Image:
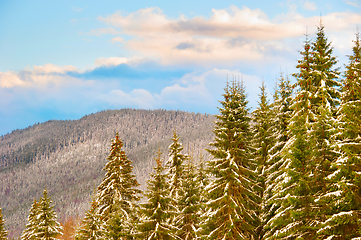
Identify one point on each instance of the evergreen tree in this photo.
(324, 75)
(33, 222)
(3, 232)
(48, 227)
(345, 223)
(157, 212)
(263, 141)
(275, 170)
(188, 217)
(91, 228)
(232, 199)
(202, 179)
(175, 166)
(322, 131)
(117, 192)
(119, 227)
(314, 108)
(294, 219)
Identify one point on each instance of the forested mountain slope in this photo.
(67, 157)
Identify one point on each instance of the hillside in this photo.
(67, 157)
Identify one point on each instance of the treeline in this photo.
(288, 170)
(41, 140)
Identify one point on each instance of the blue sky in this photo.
(65, 59)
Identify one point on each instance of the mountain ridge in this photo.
(67, 157)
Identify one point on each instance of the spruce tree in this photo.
(322, 131)
(232, 199)
(91, 228)
(48, 227)
(33, 222)
(275, 170)
(263, 141)
(188, 217)
(345, 222)
(294, 219)
(292, 194)
(156, 214)
(314, 108)
(119, 227)
(117, 192)
(203, 181)
(3, 232)
(175, 166)
(324, 74)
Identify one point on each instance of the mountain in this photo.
(67, 157)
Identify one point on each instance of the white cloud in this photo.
(118, 39)
(204, 90)
(228, 37)
(39, 77)
(308, 5)
(354, 3)
(10, 80)
(109, 62)
(231, 22)
(51, 68)
(139, 98)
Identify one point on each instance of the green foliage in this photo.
(324, 76)
(346, 195)
(276, 163)
(263, 141)
(31, 227)
(117, 194)
(119, 227)
(91, 228)
(188, 216)
(202, 179)
(295, 217)
(232, 200)
(43, 224)
(3, 232)
(304, 189)
(48, 227)
(175, 166)
(156, 214)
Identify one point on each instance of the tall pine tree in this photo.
(91, 228)
(157, 213)
(263, 141)
(232, 199)
(188, 216)
(345, 222)
(117, 194)
(294, 219)
(48, 228)
(324, 74)
(275, 170)
(310, 150)
(324, 102)
(33, 222)
(175, 166)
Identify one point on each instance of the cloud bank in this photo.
(54, 92)
(171, 63)
(226, 37)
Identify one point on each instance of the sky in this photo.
(61, 60)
